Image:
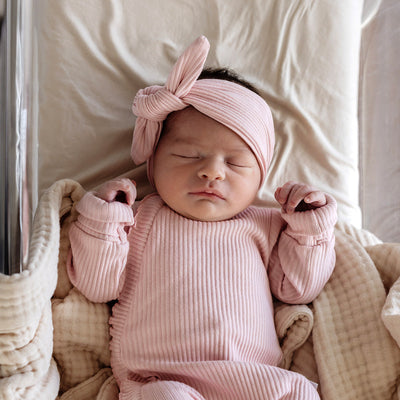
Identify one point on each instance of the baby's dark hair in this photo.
(226, 74)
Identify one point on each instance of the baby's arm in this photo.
(99, 244)
(304, 257)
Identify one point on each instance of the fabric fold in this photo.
(26, 328)
(152, 104)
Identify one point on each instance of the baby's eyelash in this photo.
(237, 165)
(185, 156)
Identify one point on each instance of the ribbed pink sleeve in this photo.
(303, 258)
(99, 248)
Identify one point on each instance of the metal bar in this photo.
(15, 145)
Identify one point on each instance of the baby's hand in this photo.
(119, 189)
(294, 196)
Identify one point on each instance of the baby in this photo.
(195, 266)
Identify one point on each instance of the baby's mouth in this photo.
(208, 193)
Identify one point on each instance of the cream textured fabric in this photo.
(293, 325)
(27, 370)
(83, 352)
(348, 333)
(387, 257)
(355, 354)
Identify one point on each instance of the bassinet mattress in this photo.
(303, 56)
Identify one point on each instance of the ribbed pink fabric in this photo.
(238, 108)
(194, 317)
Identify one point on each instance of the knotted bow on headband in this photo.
(231, 104)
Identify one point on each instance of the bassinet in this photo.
(308, 59)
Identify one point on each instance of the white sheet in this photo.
(304, 57)
(380, 123)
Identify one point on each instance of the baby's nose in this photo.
(212, 169)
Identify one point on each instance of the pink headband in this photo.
(233, 105)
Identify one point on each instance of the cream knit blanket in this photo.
(353, 351)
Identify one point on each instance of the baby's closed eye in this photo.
(187, 155)
(240, 162)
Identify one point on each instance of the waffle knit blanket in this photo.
(54, 342)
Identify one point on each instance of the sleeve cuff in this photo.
(316, 222)
(99, 210)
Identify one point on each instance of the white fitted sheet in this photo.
(303, 56)
(380, 123)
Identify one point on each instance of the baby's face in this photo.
(202, 169)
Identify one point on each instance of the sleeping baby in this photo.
(194, 266)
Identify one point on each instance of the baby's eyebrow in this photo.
(189, 141)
